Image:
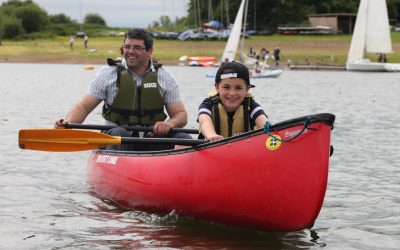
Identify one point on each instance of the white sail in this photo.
(378, 35)
(233, 42)
(371, 31)
(234, 37)
(357, 46)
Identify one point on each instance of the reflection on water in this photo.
(134, 229)
(45, 203)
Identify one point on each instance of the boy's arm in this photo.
(207, 128)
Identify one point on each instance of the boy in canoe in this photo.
(230, 110)
(135, 91)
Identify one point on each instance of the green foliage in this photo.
(63, 29)
(22, 17)
(94, 18)
(393, 9)
(165, 24)
(60, 19)
(25, 19)
(269, 14)
(181, 24)
(33, 17)
(11, 27)
(16, 3)
(6, 10)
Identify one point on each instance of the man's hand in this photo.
(162, 128)
(60, 123)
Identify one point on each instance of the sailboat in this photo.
(371, 35)
(232, 45)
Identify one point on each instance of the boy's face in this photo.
(232, 92)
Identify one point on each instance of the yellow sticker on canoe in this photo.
(272, 143)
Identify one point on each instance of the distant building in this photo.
(300, 30)
(340, 23)
(332, 23)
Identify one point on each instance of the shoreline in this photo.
(295, 50)
(80, 61)
(168, 52)
(63, 60)
(75, 61)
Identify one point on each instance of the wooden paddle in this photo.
(130, 128)
(67, 140)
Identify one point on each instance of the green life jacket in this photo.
(229, 126)
(135, 105)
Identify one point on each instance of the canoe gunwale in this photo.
(326, 118)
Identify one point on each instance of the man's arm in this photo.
(79, 112)
(178, 119)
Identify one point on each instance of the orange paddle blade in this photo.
(64, 140)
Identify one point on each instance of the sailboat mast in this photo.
(228, 21)
(367, 6)
(246, 5)
(210, 11)
(80, 14)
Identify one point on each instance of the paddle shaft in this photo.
(130, 128)
(186, 142)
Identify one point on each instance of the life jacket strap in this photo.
(135, 112)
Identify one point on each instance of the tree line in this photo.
(269, 14)
(26, 19)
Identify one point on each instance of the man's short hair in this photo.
(140, 34)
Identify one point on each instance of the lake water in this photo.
(46, 204)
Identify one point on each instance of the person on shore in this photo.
(251, 53)
(135, 91)
(85, 41)
(277, 55)
(257, 67)
(71, 42)
(225, 61)
(231, 110)
(262, 54)
(266, 57)
(382, 58)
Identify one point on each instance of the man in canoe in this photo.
(230, 110)
(135, 91)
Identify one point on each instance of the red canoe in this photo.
(251, 180)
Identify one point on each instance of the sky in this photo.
(117, 13)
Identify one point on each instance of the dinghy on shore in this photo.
(263, 74)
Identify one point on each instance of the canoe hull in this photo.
(242, 182)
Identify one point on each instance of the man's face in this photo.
(135, 53)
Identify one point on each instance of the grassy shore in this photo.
(317, 49)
